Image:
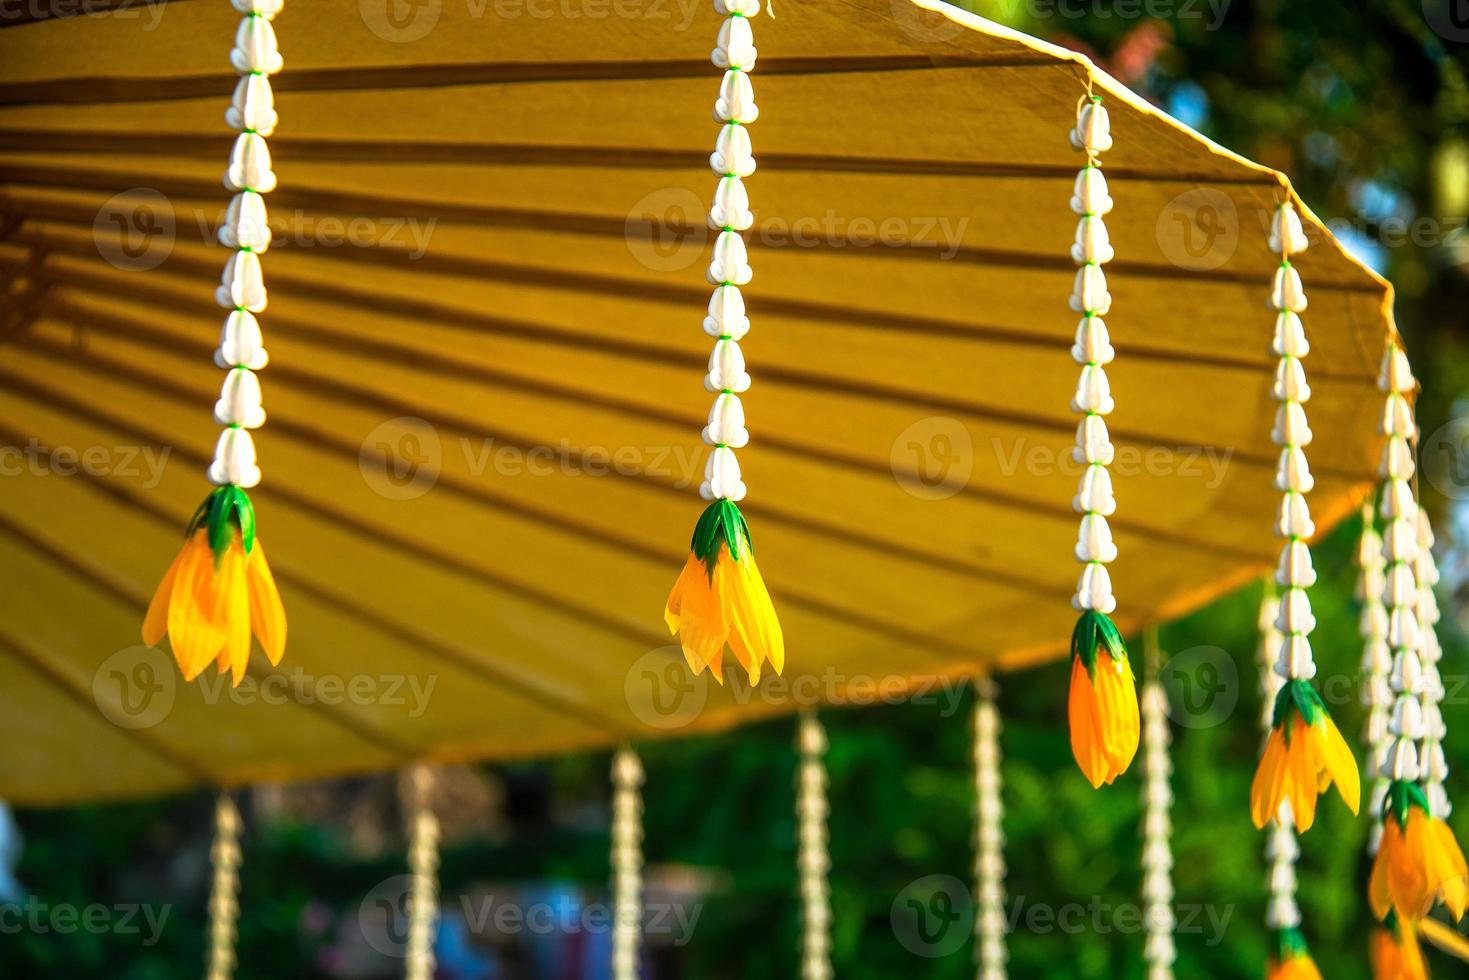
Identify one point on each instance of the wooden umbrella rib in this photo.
(351, 204)
(442, 366)
(417, 309)
(300, 148)
(354, 394)
(519, 686)
(114, 89)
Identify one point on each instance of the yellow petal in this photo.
(753, 618)
(1081, 712)
(195, 635)
(1452, 879)
(1304, 767)
(155, 624)
(267, 614)
(1268, 789)
(235, 595)
(1341, 764)
(1378, 894)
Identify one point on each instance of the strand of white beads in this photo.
(1281, 847)
(423, 875)
(1160, 919)
(813, 857)
(732, 161)
(1376, 663)
(1093, 351)
(1291, 433)
(989, 850)
(627, 863)
(242, 288)
(1431, 759)
(224, 889)
(1400, 758)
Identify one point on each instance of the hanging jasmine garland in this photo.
(720, 598)
(1304, 753)
(1418, 860)
(220, 589)
(1103, 709)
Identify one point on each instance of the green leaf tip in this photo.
(1301, 696)
(225, 510)
(1290, 943)
(721, 522)
(1094, 631)
(1402, 795)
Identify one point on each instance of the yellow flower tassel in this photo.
(1304, 756)
(1103, 702)
(1292, 959)
(1395, 952)
(1418, 861)
(721, 599)
(217, 591)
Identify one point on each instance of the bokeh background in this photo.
(1367, 107)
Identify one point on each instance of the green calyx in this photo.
(1300, 696)
(1401, 795)
(721, 522)
(1094, 631)
(1289, 943)
(226, 510)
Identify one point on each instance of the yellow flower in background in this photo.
(217, 591)
(1418, 861)
(1395, 952)
(1102, 707)
(721, 599)
(1292, 959)
(1304, 756)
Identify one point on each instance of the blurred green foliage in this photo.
(1367, 107)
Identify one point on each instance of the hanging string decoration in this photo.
(627, 864)
(813, 857)
(219, 588)
(1377, 693)
(1304, 753)
(224, 889)
(989, 851)
(1418, 860)
(1102, 706)
(1394, 945)
(423, 876)
(720, 598)
(1289, 955)
(1159, 951)
(1434, 764)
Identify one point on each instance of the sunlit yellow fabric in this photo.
(507, 302)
